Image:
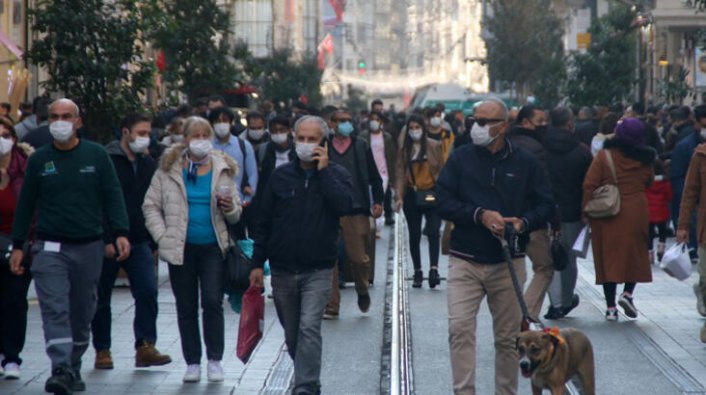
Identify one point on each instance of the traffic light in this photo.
(361, 66)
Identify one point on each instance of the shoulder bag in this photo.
(236, 273)
(605, 200)
(424, 198)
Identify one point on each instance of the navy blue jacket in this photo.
(298, 218)
(511, 182)
(681, 156)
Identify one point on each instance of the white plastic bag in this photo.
(582, 242)
(676, 262)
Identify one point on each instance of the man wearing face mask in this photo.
(354, 154)
(256, 133)
(277, 152)
(528, 134)
(483, 187)
(297, 231)
(135, 169)
(440, 131)
(384, 150)
(72, 186)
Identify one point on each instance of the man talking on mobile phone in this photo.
(297, 230)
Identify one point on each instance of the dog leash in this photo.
(528, 323)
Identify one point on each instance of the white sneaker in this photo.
(12, 371)
(215, 371)
(193, 374)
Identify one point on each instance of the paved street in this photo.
(659, 353)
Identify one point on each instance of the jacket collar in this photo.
(503, 154)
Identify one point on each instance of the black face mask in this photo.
(541, 129)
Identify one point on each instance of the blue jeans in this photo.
(143, 286)
(202, 268)
(300, 300)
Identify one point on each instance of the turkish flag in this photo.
(161, 61)
(338, 7)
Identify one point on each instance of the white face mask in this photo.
(374, 126)
(415, 134)
(305, 151)
(6, 145)
(200, 148)
(481, 135)
(435, 122)
(256, 134)
(279, 138)
(177, 138)
(222, 129)
(61, 130)
(139, 145)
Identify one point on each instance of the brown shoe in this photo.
(103, 360)
(147, 355)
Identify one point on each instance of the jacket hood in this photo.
(173, 154)
(560, 140)
(641, 153)
(114, 148)
(701, 149)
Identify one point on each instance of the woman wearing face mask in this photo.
(438, 131)
(175, 132)
(419, 162)
(190, 202)
(13, 288)
(384, 152)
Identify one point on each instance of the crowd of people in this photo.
(312, 188)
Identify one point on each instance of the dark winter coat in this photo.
(619, 242)
(530, 141)
(568, 161)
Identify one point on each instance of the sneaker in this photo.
(147, 355)
(12, 371)
(611, 314)
(79, 384)
(418, 279)
(554, 313)
(574, 303)
(215, 371)
(434, 278)
(103, 360)
(330, 315)
(699, 300)
(193, 374)
(703, 334)
(61, 382)
(364, 302)
(628, 306)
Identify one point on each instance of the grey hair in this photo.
(495, 100)
(312, 118)
(67, 101)
(194, 122)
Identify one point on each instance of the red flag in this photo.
(338, 7)
(327, 43)
(161, 61)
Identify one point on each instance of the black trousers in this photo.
(387, 204)
(414, 215)
(661, 233)
(13, 313)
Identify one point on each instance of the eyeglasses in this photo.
(485, 121)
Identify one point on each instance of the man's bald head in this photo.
(493, 106)
(64, 103)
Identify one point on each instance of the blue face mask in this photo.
(345, 129)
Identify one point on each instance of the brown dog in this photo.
(552, 357)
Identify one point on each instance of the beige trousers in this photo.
(539, 252)
(355, 232)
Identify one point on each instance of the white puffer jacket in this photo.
(167, 211)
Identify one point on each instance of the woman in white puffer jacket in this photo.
(190, 202)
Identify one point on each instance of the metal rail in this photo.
(401, 371)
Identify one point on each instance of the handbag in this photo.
(252, 318)
(605, 200)
(423, 198)
(236, 273)
(560, 257)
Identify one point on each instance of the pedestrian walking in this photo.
(354, 154)
(297, 231)
(134, 168)
(482, 187)
(629, 264)
(384, 151)
(72, 186)
(440, 131)
(659, 196)
(13, 288)
(568, 160)
(188, 208)
(419, 162)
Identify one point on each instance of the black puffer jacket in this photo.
(530, 141)
(568, 161)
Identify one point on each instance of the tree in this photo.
(605, 73)
(93, 53)
(194, 38)
(282, 78)
(525, 46)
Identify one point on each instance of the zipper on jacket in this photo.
(492, 178)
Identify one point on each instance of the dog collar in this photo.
(557, 340)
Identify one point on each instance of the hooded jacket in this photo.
(298, 219)
(134, 180)
(530, 141)
(568, 161)
(166, 208)
(511, 182)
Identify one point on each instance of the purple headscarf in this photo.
(631, 131)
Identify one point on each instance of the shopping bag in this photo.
(582, 242)
(560, 257)
(252, 317)
(676, 262)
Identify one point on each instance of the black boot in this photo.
(434, 278)
(61, 382)
(418, 278)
